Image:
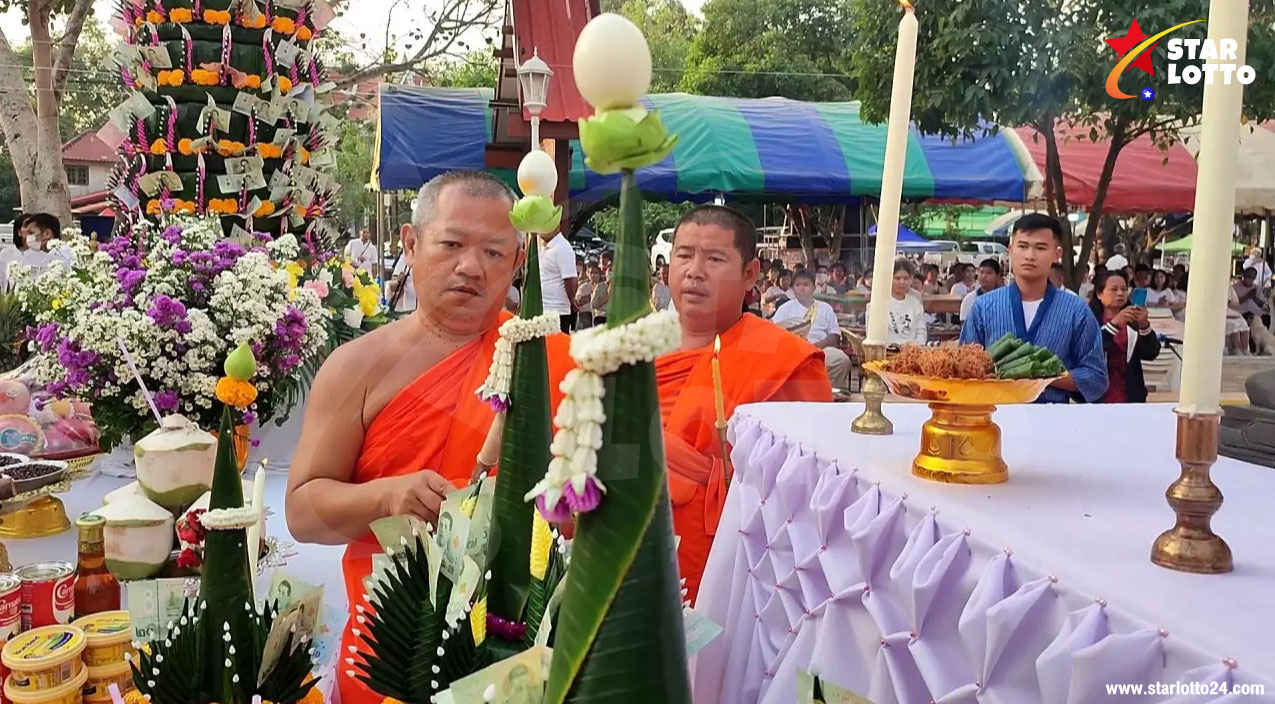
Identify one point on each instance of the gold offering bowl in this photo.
(959, 443)
(38, 514)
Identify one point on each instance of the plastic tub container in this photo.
(110, 637)
(71, 692)
(97, 689)
(44, 658)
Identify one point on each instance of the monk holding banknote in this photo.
(714, 263)
(393, 422)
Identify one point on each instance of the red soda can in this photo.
(48, 593)
(10, 606)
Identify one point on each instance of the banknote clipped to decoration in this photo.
(428, 635)
(225, 118)
(221, 646)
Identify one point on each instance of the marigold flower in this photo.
(174, 77)
(264, 210)
(155, 17)
(304, 33)
(234, 392)
(257, 22)
(185, 207)
(159, 147)
(252, 81)
(223, 206)
(180, 15)
(225, 147)
(305, 155)
(283, 25)
(204, 77)
(183, 146)
(216, 16)
(285, 84)
(153, 207)
(269, 151)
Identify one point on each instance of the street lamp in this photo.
(533, 77)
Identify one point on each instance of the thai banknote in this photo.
(516, 680)
(698, 629)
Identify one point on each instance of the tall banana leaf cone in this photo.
(619, 636)
(215, 652)
(524, 454)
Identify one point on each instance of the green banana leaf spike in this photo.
(619, 637)
(524, 454)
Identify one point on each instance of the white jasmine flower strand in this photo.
(495, 390)
(571, 482)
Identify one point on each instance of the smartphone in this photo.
(1139, 297)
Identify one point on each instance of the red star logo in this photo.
(1131, 39)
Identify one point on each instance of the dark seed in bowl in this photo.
(31, 470)
(5, 461)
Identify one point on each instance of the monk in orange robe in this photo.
(393, 422)
(714, 264)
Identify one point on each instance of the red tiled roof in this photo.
(551, 27)
(87, 147)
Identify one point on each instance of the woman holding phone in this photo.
(1127, 338)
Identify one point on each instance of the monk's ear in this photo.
(407, 235)
(751, 270)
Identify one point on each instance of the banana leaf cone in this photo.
(524, 454)
(619, 637)
(226, 586)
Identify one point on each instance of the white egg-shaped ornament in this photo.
(537, 174)
(612, 63)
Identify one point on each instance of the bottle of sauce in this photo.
(96, 589)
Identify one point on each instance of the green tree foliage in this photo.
(670, 29)
(656, 216)
(476, 70)
(356, 202)
(1044, 64)
(760, 48)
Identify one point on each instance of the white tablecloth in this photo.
(831, 557)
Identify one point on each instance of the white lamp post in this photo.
(533, 77)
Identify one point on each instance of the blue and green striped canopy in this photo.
(741, 148)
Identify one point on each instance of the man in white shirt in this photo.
(1117, 260)
(558, 278)
(1256, 262)
(362, 252)
(969, 277)
(989, 279)
(824, 333)
(404, 302)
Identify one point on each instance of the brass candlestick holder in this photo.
(872, 421)
(1191, 545)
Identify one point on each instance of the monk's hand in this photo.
(418, 494)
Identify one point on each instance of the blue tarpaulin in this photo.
(768, 148)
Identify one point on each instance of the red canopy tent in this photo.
(1143, 181)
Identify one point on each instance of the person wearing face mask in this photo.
(823, 282)
(1127, 339)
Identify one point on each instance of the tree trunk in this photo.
(1056, 197)
(1117, 143)
(836, 233)
(46, 190)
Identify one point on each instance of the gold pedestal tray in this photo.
(40, 518)
(959, 443)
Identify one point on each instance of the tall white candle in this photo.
(1214, 220)
(896, 147)
(254, 533)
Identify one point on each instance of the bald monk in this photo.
(714, 264)
(393, 422)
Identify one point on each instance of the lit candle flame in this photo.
(907, 6)
(717, 345)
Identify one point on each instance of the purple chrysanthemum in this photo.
(586, 501)
(167, 401)
(559, 513)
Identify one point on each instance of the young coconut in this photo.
(175, 462)
(138, 536)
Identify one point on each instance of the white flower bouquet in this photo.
(180, 298)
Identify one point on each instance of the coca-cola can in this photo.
(10, 606)
(48, 593)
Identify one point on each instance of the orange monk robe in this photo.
(760, 362)
(437, 422)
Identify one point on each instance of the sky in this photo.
(369, 19)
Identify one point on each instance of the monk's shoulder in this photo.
(350, 361)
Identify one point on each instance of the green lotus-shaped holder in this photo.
(536, 214)
(624, 139)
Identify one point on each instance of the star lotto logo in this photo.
(1135, 49)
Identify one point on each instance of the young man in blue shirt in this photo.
(1035, 311)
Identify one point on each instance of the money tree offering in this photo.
(224, 118)
(223, 648)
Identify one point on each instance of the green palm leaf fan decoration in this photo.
(214, 653)
(619, 636)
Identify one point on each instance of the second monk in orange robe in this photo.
(714, 264)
